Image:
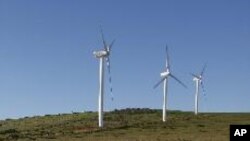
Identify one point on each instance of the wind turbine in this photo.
(103, 55)
(198, 81)
(164, 77)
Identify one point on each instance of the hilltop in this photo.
(123, 125)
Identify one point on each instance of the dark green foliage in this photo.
(133, 111)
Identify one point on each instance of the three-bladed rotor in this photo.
(168, 73)
(105, 53)
(199, 77)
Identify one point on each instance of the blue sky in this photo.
(47, 66)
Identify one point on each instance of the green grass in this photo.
(123, 125)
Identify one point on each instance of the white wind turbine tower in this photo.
(198, 81)
(103, 55)
(164, 77)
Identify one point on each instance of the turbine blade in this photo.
(203, 89)
(110, 79)
(203, 69)
(111, 45)
(178, 80)
(167, 58)
(158, 83)
(103, 40)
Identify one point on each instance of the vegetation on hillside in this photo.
(123, 125)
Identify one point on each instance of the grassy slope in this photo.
(124, 125)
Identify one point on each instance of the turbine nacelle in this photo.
(101, 53)
(197, 78)
(165, 74)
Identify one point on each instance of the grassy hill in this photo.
(123, 125)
